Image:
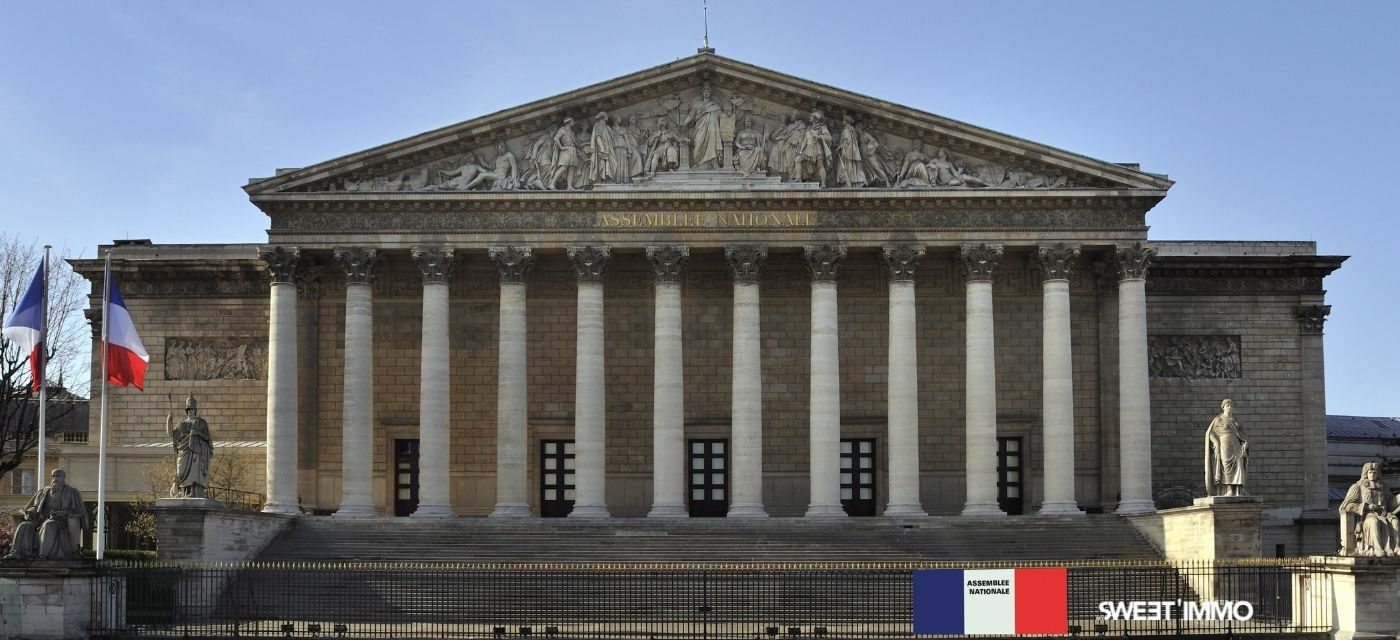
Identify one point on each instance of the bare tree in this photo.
(66, 351)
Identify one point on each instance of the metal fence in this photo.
(655, 601)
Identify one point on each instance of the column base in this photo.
(433, 511)
(285, 509)
(982, 509)
(511, 510)
(668, 511)
(1060, 509)
(904, 510)
(1134, 507)
(825, 511)
(355, 511)
(746, 511)
(590, 512)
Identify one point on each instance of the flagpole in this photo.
(42, 370)
(101, 541)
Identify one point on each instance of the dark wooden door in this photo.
(405, 476)
(858, 476)
(1010, 481)
(556, 478)
(709, 478)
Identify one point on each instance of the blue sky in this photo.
(1278, 120)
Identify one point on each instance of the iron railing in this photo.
(235, 499)
(656, 601)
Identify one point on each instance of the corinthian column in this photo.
(1057, 380)
(824, 415)
(746, 386)
(357, 435)
(512, 423)
(281, 473)
(903, 376)
(434, 399)
(590, 401)
(668, 397)
(1134, 404)
(978, 262)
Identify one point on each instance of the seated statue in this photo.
(1368, 514)
(53, 524)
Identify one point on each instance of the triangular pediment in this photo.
(708, 122)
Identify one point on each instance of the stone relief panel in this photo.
(709, 136)
(216, 359)
(1194, 357)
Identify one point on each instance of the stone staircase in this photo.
(774, 540)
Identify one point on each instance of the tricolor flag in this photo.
(999, 602)
(126, 356)
(25, 326)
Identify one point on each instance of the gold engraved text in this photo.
(706, 219)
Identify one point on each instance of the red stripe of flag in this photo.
(124, 367)
(1042, 601)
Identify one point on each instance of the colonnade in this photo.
(979, 261)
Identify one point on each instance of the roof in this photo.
(67, 413)
(1363, 427)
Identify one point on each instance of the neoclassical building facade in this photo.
(711, 289)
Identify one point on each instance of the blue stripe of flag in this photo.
(938, 601)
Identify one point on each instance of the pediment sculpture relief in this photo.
(710, 138)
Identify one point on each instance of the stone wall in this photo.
(190, 530)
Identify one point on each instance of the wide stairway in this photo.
(774, 540)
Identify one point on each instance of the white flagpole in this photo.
(101, 542)
(43, 370)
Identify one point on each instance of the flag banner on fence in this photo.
(25, 326)
(126, 355)
(991, 601)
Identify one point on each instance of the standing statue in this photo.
(874, 153)
(54, 521)
(749, 155)
(1368, 514)
(783, 145)
(565, 157)
(1227, 454)
(815, 155)
(703, 119)
(194, 448)
(602, 142)
(850, 170)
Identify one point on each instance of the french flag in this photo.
(126, 355)
(1002, 602)
(25, 326)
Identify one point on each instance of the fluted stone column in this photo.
(590, 400)
(981, 440)
(668, 466)
(903, 376)
(512, 423)
(434, 397)
(357, 412)
(1311, 318)
(1134, 403)
(1057, 381)
(824, 415)
(282, 264)
(746, 386)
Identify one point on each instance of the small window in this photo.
(22, 482)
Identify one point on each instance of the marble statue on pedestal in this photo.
(1370, 526)
(53, 523)
(1227, 454)
(194, 449)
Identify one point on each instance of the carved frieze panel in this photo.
(216, 359)
(1194, 357)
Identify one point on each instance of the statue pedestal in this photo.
(1358, 593)
(1214, 528)
(203, 530)
(43, 600)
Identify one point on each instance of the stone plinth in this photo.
(1359, 594)
(202, 530)
(54, 600)
(1215, 528)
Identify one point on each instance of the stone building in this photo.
(709, 288)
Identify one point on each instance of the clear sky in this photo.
(1276, 119)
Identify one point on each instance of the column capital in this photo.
(1132, 261)
(1311, 318)
(282, 263)
(823, 260)
(513, 263)
(668, 262)
(309, 283)
(746, 261)
(358, 263)
(1057, 261)
(901, 259)
(435, 263)
(590, 261)
(979, 260)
